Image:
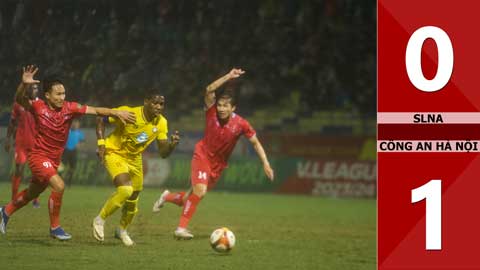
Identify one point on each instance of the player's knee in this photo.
(122, 180)
(58, 186)
(125, 191)
(200, 190)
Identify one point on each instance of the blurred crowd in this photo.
(109, 52)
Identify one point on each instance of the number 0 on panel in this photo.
(413, 58)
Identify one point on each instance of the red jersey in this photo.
(219, 141)
(25, 134)
(53, 126)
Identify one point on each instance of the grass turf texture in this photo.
(272, 231)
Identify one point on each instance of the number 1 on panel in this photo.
(432, 192)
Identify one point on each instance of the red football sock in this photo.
(176, 198)
(54, 205)
(188, 210)
(18, 202)
(15, 184)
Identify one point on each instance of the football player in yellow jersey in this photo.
(121, 153)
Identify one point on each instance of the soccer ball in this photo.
(222, 240)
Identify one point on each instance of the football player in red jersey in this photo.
(222, 131)
(22, 127)
(53, 117)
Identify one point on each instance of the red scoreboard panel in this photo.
(428, 134)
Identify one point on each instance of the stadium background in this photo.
(309, 87)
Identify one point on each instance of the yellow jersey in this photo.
(133, 139)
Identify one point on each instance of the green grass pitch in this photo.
(272, 231)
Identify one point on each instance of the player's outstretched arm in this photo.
(165, 148)
(263, 157)
(27, 78)
(100, 139)
(124, 116)
(210, 91)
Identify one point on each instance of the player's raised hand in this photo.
(235, 73)
(126, 116)
(175, 138)
(28, 73)
(268, 172)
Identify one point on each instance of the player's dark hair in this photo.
(151, 93)
(49, 82)
(226, 94)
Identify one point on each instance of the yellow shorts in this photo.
(117, 164)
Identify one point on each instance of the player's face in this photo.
(155, 105)
(224, 108)
(33, 91)
(56, 96)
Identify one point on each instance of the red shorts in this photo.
(42, 168)
(202, 172)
